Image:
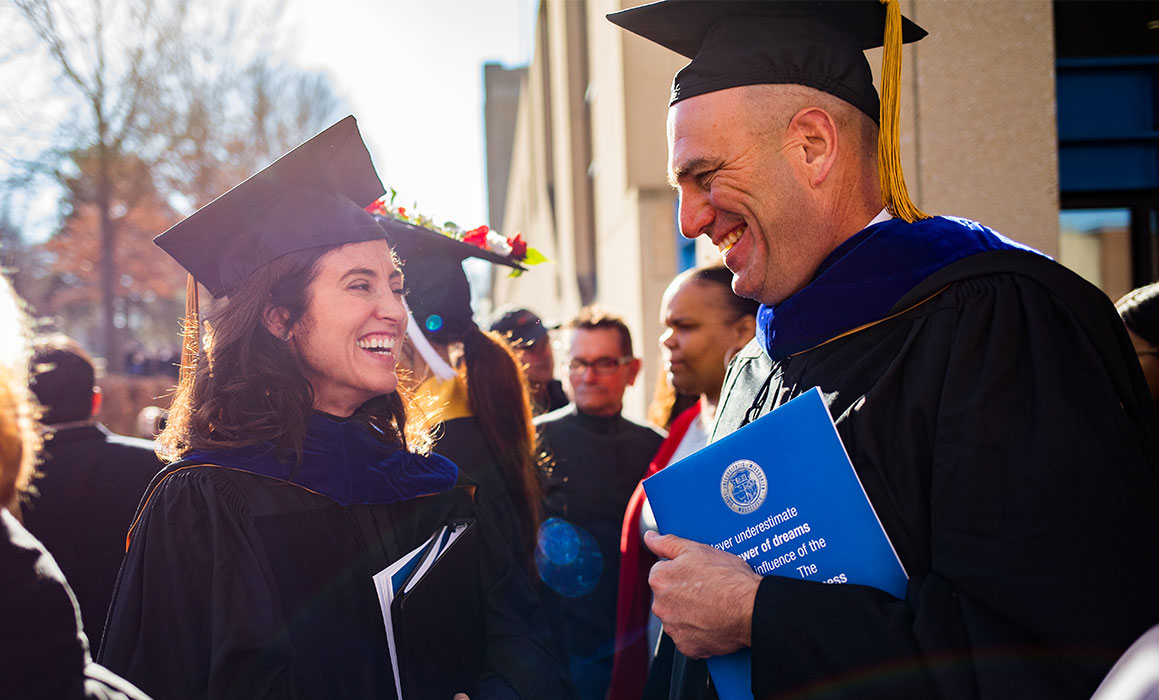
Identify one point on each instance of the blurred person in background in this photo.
(528, 337)
(150, 422)
(1139, 310)
(90, 481)
(469, 378)
(297, 478)
(705, 323)
(593, 459)
(45, 649)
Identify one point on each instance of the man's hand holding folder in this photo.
(703, 596)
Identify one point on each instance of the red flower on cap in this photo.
(477, 237)
(518, 246)
(513, 248)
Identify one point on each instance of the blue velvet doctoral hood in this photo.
(864, 277)
(344, 461)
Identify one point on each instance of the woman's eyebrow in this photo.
(357, 271)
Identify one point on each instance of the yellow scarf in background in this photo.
(451, 395)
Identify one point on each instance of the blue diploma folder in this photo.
(782, 494)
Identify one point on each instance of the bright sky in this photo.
(411, 71)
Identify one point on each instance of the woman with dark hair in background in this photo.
(472, 377)
(260, 561)
(1139, 310)
(705, 325)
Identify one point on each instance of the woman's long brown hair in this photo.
(247, 388)
(498, 397)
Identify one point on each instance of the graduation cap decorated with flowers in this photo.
(438, 293)
(818, 44)
(312, 197)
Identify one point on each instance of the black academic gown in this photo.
(45, 650)
(1002, 431)
(237, 585)
(593, 466)
(91, 486)
(461, 440)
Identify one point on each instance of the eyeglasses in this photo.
(1145, 353)
(602, 366)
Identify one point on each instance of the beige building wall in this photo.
(634, 206)
(979, 140)
(604, 196)
(501, 87)
(530, 209)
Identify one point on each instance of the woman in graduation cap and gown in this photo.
(478, 395)
(296, 477)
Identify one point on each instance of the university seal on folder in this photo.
(743, 486)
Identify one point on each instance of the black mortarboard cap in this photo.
(732, 43)
(816, 43)
(312, 197)
(432, 262)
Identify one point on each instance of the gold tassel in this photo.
(894, 195)
(191, 333)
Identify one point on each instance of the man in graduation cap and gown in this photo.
(988, 398)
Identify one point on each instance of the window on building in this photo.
(1107, 56)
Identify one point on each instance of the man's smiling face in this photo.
(740, 186)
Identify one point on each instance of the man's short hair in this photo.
(1139, 310)
(594, 317)
(62, 379)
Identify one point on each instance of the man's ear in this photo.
(276, 319)
(813, 134)
(97, 397)
(633, 370)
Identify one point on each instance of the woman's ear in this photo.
(276, 319)
(746, 328)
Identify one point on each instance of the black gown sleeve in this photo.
(195, 613)
(1032, 542)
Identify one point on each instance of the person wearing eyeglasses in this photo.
(591, 459)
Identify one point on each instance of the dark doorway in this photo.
(1107, 60)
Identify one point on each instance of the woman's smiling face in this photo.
(348, 339)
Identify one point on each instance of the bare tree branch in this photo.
(175, 100)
